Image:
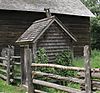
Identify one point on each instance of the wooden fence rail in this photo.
(64, 67)
(7, 66)
(84, 77)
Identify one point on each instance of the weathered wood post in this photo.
(88, 87)
(8, 67)
(11, 49)
(23, 77)
(28, 59)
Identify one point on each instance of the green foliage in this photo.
(95, 58)
(42, 58)
(94, 6)
(95, 27)
(4, 88)
(64, 58)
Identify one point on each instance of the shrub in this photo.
(64, 58)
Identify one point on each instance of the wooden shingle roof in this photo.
(69, 7)
(33, 33)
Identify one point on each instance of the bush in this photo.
(64, 58)
(42, 58)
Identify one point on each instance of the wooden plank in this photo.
(88, 87)
(58, 77)
(56, 86)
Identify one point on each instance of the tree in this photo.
(94, 6)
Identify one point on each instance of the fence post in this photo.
(28, 56)
(8, 67)
(23, 77)
(88, 87)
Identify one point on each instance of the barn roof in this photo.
(33, 33)
(69, 7)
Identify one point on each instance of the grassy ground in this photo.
(4, 88)
(94, 60)
(95, 63)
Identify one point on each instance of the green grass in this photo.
(94, 60)
(4, 88)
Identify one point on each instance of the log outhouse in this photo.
(17, 15)
(48, 33)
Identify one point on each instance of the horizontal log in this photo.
(56, 86)
(16, 57)
(4, 65)
(16, 63)
(39, 91)
(96, 84)
(94, 75)
(54, 44)
(3, 58)
(58, 66)
(17, 78)
(71, 79)
(52, 41)
(3, 77)
(64, 67)
(97, 89)
(2, 70)
(58, 77)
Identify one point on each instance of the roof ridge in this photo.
(44, 19)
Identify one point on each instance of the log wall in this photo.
(54, 41)
(80, 27)
(14, 23)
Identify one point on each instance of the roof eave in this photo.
(24, 10)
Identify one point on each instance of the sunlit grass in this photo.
(4, 88)
(94, 60)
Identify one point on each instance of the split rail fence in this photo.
(10, 67)
(89, 79)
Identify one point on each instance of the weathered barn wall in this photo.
(54, 41)
(14, 23)
(80, 27)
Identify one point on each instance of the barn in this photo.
(16, 16)
(48, 33)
